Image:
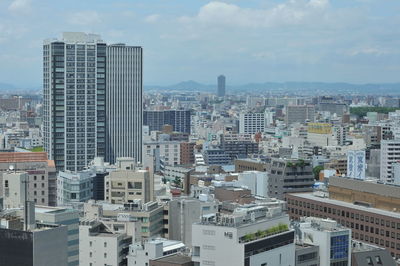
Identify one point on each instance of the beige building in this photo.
(123, 186)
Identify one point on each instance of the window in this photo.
(105, 244)
(105, 255)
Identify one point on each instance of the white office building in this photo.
(255, 235)
(251, 123)
(256, 181)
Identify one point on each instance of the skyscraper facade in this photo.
(124, 102)
(221, 86)
(180, 120)
(74, 99)
(76, 81)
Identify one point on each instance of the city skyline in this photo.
(315, 40)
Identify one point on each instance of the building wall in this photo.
(124, 107)
(377, 229)
(50, 247)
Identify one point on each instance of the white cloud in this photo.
(19, 6)
(84, 18)
(292, 12)
(152, 18)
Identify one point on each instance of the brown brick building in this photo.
(371, 225)
(187, 153)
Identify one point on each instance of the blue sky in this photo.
(247, 40)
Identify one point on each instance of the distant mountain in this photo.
(6, 86)
(289, 87)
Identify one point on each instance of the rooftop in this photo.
(176, 258)
(311, 196)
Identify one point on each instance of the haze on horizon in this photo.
(246, 40)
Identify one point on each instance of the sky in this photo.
(249, 41)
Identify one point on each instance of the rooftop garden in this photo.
(37, 149)
(264, 233)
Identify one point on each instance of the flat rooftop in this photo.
(176, 258)
(311, 196)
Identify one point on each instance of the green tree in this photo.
(316, 171)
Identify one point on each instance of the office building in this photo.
(40, 245)
(180, 120)
(356, 164)
(74, 87)
(249, 236)
(63, 216)
(216, 157)
(73, 188)
(299, 113)
(123, 111)
(221, 86)
(390, 153)
(334, 240)
(256, 181)
(42, 185)
(368, 224)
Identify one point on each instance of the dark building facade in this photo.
(179, 120)
(221, 86)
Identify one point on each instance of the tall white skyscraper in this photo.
(124, 109)
(80, 89)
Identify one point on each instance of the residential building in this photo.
(216, 157)
(252, 123)
(187, 153)
(123, 107)
(180, 120)
(238, 145)
(249, 236)
(74, 85)
(221, 86)
(172, 260)
(390, 153)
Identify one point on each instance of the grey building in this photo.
(307, 255)
(124, 88)
(180, 120)
(74, 99)
(299, 113)
(221, 86)
(237, 145)
(289, 176)
(216, 157)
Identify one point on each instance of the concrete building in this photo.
(242, 165)
(289, 176)
(42, 185)
(183, 212)
(390, 153)
(142, 253)
(307, 255)
(256, 181)
(106, 242)
(334, 241)
(299, 113)
(251, 123)
(187, 153)
(221, 86)
(172, 260)
(126, 185)
(165, 152)
(63, 216)
(15, 189)
(249, 236)
(124, 107)
(366, 254)
(42, 245)
(216, 157)
(73, 188)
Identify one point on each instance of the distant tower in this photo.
(221, 86)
